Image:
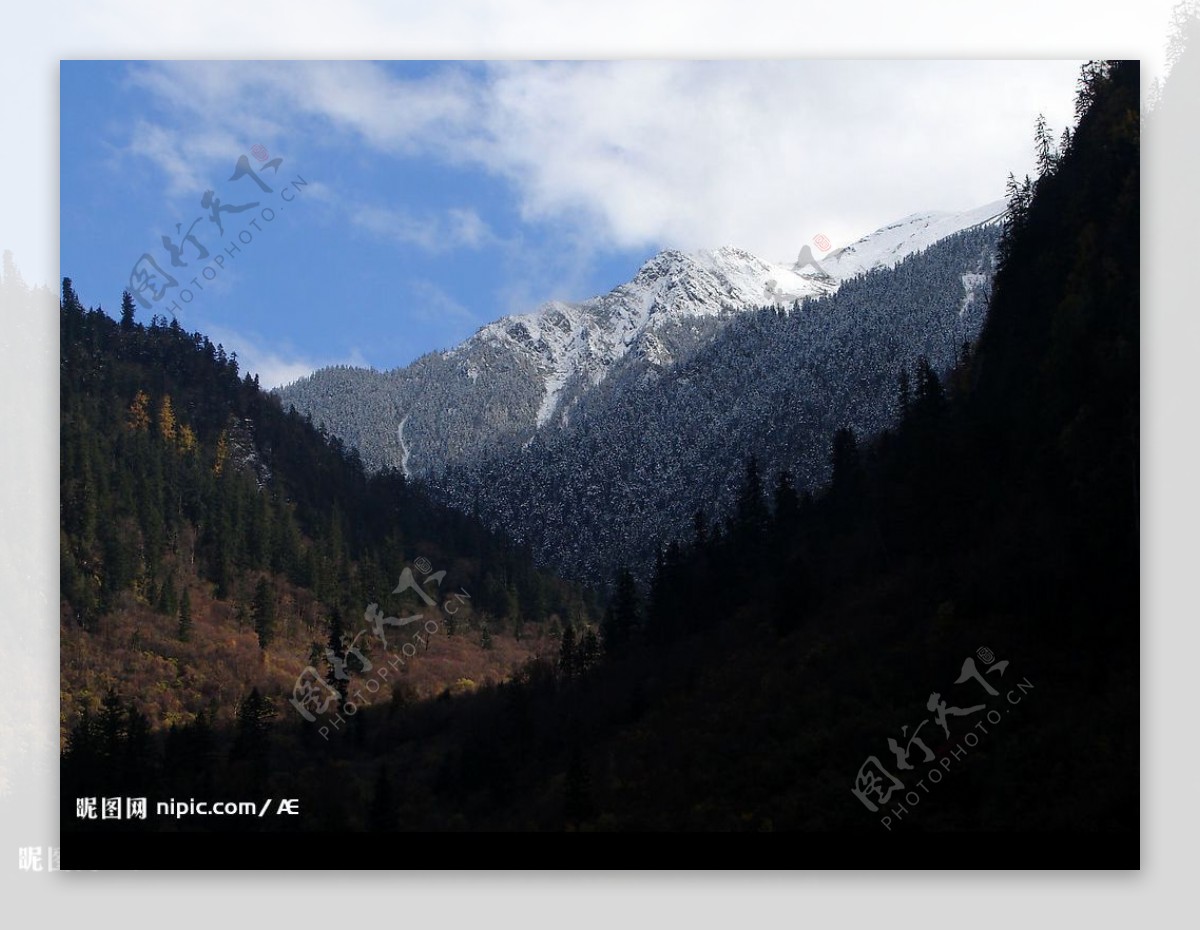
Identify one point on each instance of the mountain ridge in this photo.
(654, 444)
(523, 373)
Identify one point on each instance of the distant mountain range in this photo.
(609, 413)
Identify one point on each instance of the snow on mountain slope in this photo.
(887, 246)
(639, 455)
(404, 453)
(581, 341)
(525, 374)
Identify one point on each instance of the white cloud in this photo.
(763, 154)
(427, 302)
(274, 365)
(162, 147)
(760, 154)
(431, 232)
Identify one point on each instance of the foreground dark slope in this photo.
(1005, 516)
(770, 663)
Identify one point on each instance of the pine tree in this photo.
(137, 760)
(1018, 194)
(700, 531)
(660, 611)
(845, 459)
(578, 806)
(83, 745)
(167, 603)
(383, 817)
(335, 652)
(70, 300)
(112, 725)
(567, 660)
(185, 616)
(787, 505)
(127, 311)
(1046, 150)
(589, 652)
(254, 715)
(1064, 143)
(751, 508)
(263, 610)
(1091, 77)
(931, 398)
(622, 617)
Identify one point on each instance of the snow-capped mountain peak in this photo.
(887, 246)
(523, 379)
(580, 342)
(583, 340)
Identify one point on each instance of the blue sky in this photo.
(426, 198)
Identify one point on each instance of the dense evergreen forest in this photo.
(211, 543)
(653, 444)
(990, 537)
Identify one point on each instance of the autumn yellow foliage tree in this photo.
(186, 439)
(139, 412)
(166, 419)
(222, 454)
